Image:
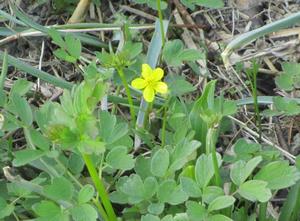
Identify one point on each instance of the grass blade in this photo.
(259, 32)
(3, 71)
(35, 72)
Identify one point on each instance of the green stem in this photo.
(113, 111)
(160, 16)
(101, 210)
(164, 123)
(163, 130)
(130, 101)
(100, 188)
(257, 113)
(252, 76)
(262, 211)
(211, 148)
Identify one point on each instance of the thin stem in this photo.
(211, 148)
(101, 209)
(262, 211)
(252, 76)
(160, 16)
(257, 114)
(164, 123)
(130, 101)
(100, 188)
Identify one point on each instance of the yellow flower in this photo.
(150, 82)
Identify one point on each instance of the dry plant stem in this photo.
(80, 11)
(100, 188)
(253, 133)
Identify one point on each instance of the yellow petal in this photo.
(157, 74)
(146, 71)
(139, 83)
(148, 94)
(161, 87)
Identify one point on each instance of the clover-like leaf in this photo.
(255, 190)
(118, 158)
(278, 175)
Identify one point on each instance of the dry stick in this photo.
(284, 152)
(34, 33)
(80, 11)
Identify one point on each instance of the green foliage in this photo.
(75, 154)
(205, 3)
(290, 78)
(175, 54)
(69, 48)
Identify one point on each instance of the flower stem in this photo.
(101, 210)
(160, 16)
(164, 123)
(211, 148)
(130, 101)
(100, 188)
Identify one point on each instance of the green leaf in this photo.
(219, 217)
(56, 37)
(156, 208)
(245, 150)
(86, 194)
(22, 109)
(110, 130)
(289, 79)
(142, 166)
(160, 163)
(221, 202)
(190, 187)
(59, 189)
(73, 46)
(5, 209)
(183, 153)
(46, 208)
(278, 175)
(39, 140)
(210, 3)
(174, 53)
(170, 192)
(242, 170)
(150, 187)
(150, 217)
(26, 156)
(196, 211)
(49, 211)
(284, 82)
(118, 158)
(284, 106)
(84, 212)
(137, 190)
(204, 103)
(178, 86)
(21, 87)
(204, 169)
(63, 55)
(210, 193)
(255, 190)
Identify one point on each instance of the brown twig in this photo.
(80, 11)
